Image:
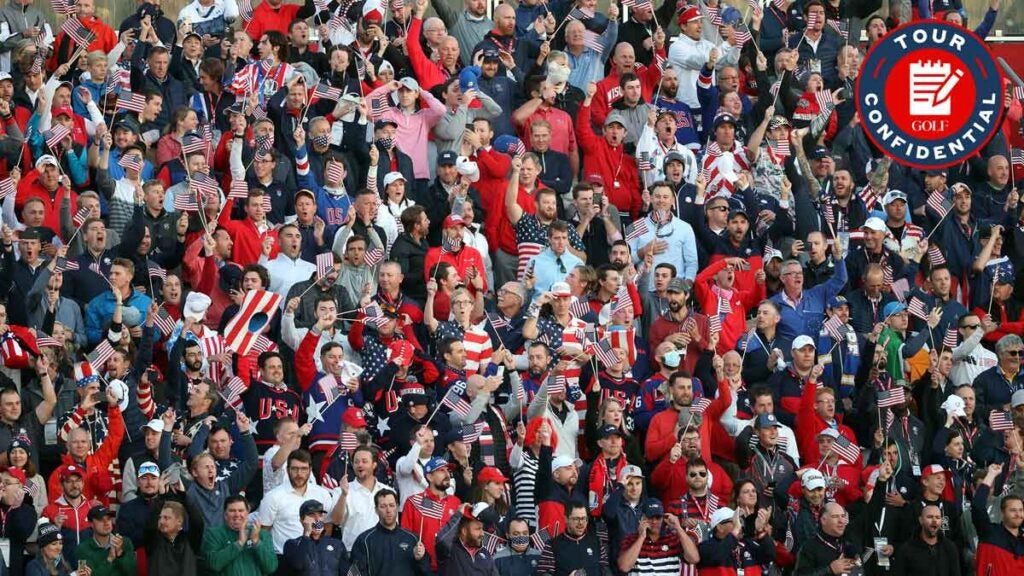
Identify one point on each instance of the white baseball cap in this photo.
(812, 480)
(46, 159)
(392, 177)
(721, 515)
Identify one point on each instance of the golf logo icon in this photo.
(930, 95)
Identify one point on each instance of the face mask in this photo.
(519, 541)
(672, 359)
(386, 143)
(557, 73)
(321, 141)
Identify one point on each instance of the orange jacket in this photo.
(98, 480)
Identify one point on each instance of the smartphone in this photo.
(82, 564)
(598, 198)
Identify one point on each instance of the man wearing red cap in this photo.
(70, 510)
(689, 53)
(92, 465)
(467, 260)
(937, 490)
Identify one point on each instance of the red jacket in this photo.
(105, 40)
(428, 72)
(615, 165)
(670, 481)
(29, 187)
(97, 479)
(425, 527)
(494, 167)
(661, 434)
(467, 258)
(735, 324)
(808, 424)
(248, 240)
(265, 18)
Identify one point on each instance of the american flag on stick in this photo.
(191, 143)
(48, 341)
(74, 29)
(699, 405)
(540, 538)
(324, 264)
(604, 352)
(204, 185)
(131, 101)
(378, 106)
(579, 307)
(714, 323)
(157, 272)
(592, 40)
(845, 449)
(80, 217)
(232, 392)
(100, 355)
(555, 384)
(471, 432)
(1000, 421)
(54, 136)
(64, 7)
(130, 162)
(580, 14)
(185, 202)
(935, 257)
(812, 20)
(164, 321)
(891, 397)
(949, 339)
(64, 265)
(743, 36)
(824, 98)
(1018, 92)
(835, 327)
(622, 300)
(643, 161)
(1017, 158)
(428, 507)
(714, 16)
(916, 308)
(373, 256)
(333, 171)
(239, 190)
(454, 402)
(491, 542)
(496, 320)
(938, 202)
(329, 386)
(841, 28)
(639, 229)
(326, 92)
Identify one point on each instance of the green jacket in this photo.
(224, 556)
(96, 558)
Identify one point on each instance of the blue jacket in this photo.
(509, 563)
(993, 389)
(454, 559)
(808, 316)
(383, 552)
(101, 309)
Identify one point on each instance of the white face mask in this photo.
(558, 73)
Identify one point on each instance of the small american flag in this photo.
(835, 327)
(378, 106)
(6, 188)
(232, 392)
(164, 322)
(121, 78)
(781, 147)
(491, 542)
(245, 9)
(639, 229)
(841, 28)
(130, 162)
(887, 274)
(580, 14)
(80, 217)
(699, 405)
(324, 264)
(643, 161)
(774, 88)
(54, 136)
(714, 323)
(824, 98)
(74, 29)
(1018, 92)
(333, 171)
(329, 386)
(497, 321)
(373, 256)
(471, 432)
(935, 257)
(845, 449)
(450, 245)
(427, 507)
(938, 202)
(916, 308)
(949, 340)
(348, 441)
(754, 5)
(579, 307)
(714, 16)
(156, 272)
(1017, 158)
(899, 288)
(891, 397)
(622, 300)
(456, 403)
(239, 189)
(36, 67)
(191, 143)
(47, 341)
(132, 102)
(812, 20)
(743, 36)
(185, 202)
(1000, 421)
(262, 144)
(64, 7)
(100, 355)
(867, 196)
(326, 92)
(540, 538)
(265, 202)
(592, 40)
(203, 185)
(555, 384)
(516, 148)
(262, 344)
(63, 264)
(604, 352)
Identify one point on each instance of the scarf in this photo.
(600, 484)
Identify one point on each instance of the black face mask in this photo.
(386, 143)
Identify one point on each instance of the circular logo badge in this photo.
(930, 94)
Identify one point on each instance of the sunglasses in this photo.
(1014, 352)
(970, 327)
(698, 474)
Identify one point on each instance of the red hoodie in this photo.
(734, 324)
(614, 165)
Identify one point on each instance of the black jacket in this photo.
(818, 552)
(383, 552)
(19, 524)
(454, 559)
(411, 255)
(175, 93)
(916, 558)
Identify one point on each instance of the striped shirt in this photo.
(661, 557)
(525, 482)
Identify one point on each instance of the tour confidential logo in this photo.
(930, 95)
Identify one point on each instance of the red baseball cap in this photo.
(689, 15)
(404, 350)
(71, 470)
(18, 474)
(354, 417)
(491, 474)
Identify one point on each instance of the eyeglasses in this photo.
(462, 303)
(720, 208)
(507, 292)
(698, 474)
(1014, 352)
(971, 327)
(577, 518)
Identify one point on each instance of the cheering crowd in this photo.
(413, 288)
